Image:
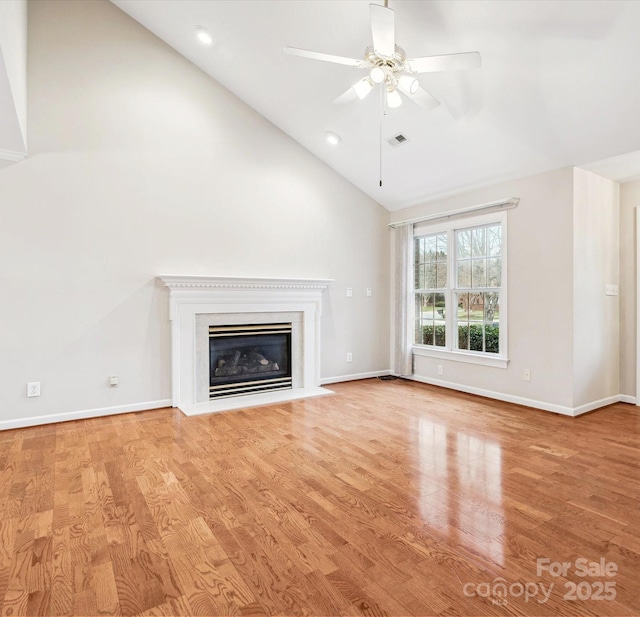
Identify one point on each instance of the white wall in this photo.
(141, 164)
(629, 201)
(13, 75)
(540, 302)
(596, 353)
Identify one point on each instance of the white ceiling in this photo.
(559, 83)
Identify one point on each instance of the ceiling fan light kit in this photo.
(408, 84)
(362, 88)
(377, 74)
(393, 98)
(388, 65)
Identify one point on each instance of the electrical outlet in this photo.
(369, 292)
(349, 292)
(114, 382)
(440, 369)
(349, 357)
(526, 374)
(33, 388)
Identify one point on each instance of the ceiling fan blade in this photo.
(316, 55)
(383, 30)
(346, 97)
(358, 91)
(423, 98)
(449, 62)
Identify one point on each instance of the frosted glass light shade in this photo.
(409, 84)
(377, 75)
(363, 87)
(393, 98)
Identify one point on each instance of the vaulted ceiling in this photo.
(559, 84)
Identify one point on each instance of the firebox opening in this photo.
(249, 359)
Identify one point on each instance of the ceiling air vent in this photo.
(397, 140)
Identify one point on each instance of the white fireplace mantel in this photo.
(191, 296)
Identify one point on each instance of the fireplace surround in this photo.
(198, 304)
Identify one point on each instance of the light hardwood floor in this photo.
(386, 498)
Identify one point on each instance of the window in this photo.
(460, 288)
(431, 263)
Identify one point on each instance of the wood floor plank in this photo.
(388, 498)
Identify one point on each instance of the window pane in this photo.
(478, 273)
(439, 323)
(493, 272)
(430, 319)
(439, 307)
(464, 274)
(463, 307)
(429, 248)
(441, 242)
(463, 240)
(422, 309)
(427, 333)
(478, 242)
(491, 312)
(463, 336)
(476, 337)
(494, 241)
(430, 279)
(476, 307)
(430, 262)
(492, 338)
(441, 276)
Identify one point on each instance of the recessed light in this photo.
(204, 36)
(333, 138)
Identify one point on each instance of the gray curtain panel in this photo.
(403, 299)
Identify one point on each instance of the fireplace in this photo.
(198, 303)
(249, 359)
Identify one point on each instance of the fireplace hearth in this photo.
(248, 359)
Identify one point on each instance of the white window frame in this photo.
(449, 351)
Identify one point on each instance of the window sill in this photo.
(460, 356)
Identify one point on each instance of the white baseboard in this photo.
(83, 414)
(118, 409)
(520, 400)
(609, 400)
(354, 377)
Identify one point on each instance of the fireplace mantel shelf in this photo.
(197, 281)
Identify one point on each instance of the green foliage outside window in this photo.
(469, 337)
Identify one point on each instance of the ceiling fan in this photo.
(389, 66)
